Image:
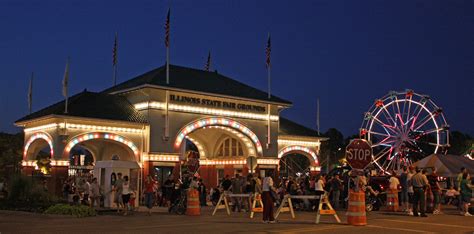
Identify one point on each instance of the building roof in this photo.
(196, 80)
(92, 105)
(288, 127)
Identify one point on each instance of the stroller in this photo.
(180, 204)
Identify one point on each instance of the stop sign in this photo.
(359, 153)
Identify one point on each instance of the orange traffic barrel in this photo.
(392, 200)
(356, 211)
(193, 207)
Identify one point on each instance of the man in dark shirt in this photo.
(226, 183)
(336, 185)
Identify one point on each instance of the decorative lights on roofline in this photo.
(101, 135)
(83, 127)
(56, 163)
(35, 136)
(295, 142)
(217, 121)
(222, 162)
(268, 161)
(298, 148)
(161, 157)
(204, 110)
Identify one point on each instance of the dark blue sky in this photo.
(347, 53)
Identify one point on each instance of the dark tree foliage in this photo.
(11, 148)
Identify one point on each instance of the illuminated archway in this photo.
(36, 136)
(101, 135)
(310, 154)
(217, 121)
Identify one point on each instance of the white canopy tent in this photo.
(446, 165)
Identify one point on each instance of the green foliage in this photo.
(460, 143)
(11, 146)
(65, 209)
(27, 195)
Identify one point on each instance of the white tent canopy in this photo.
(446, 165)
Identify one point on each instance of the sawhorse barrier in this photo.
(224, 197)
(322, 201)
(257, 199)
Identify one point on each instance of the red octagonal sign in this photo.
(359, 153)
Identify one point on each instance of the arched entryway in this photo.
(223, 145)
(292, 158)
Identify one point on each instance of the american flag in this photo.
(208, 63)
(167, 30)
(268, 51)
(114, 51)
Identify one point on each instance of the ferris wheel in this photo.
(403, 128)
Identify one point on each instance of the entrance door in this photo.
(162, 173)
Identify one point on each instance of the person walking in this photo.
(202, 193)
(420, 184)
(435, 189)
(319, 189)
(336, 186)
(118, 187)
(94, 193)
(404, 192)
(149, 191)
(267, 199)
(237, 189)
(411, 173)
(126, 195)
(394, 183)
(466, 193)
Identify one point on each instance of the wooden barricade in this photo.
(323, 202)
(257, 199)
(223, 198)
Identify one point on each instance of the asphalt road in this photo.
(162, 222)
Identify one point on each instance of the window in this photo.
(230, 147)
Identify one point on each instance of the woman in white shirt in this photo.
(267, 199)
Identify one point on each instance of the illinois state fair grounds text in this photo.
(216, 103)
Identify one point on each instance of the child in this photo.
(451, 195)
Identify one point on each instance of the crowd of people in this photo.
(421, 191)
(414, 187)
(82, 189)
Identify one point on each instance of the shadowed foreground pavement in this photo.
(161, 221)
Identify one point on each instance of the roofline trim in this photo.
(309, 138)
(23, 123)
(287, 105)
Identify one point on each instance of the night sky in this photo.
(347, 53)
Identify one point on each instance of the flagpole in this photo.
(268, 63)
(167, 65)
(65, 84)
(317, 116)
(30, 93)
(167, 43)
(114, 59)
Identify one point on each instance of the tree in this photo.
(333, 148)
(11, 148)
(460, 143)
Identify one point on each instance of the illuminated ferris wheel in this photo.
(403, 128)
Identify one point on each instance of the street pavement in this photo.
(161, 222)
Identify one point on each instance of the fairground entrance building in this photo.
(145, 126)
